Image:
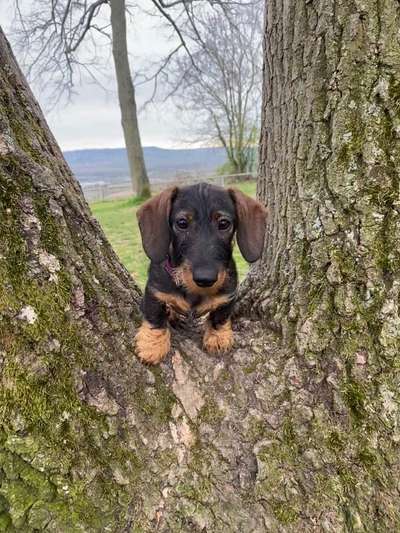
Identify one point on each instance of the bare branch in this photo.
(86, 21)
(49, 37)
(219, 84)
(175, 26)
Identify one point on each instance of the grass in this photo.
(118, 220)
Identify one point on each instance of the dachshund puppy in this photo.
(188, 235)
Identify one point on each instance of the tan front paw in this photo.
(218, 340)
(152, 344)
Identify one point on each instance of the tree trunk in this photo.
(127, 100)
(330, 277)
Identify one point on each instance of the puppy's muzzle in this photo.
(205, 277)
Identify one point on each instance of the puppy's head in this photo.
(196, 225)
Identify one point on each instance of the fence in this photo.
(100, 191)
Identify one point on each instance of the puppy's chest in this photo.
(192, 304)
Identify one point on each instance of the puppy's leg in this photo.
(153, 339)
(218, 336)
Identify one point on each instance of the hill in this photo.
(111, 164)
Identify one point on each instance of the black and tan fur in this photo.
(188, 235)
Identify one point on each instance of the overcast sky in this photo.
(92, 120)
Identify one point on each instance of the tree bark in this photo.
(330, 276)
(127, 100)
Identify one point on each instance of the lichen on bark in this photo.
(329, 279)
(63, 295)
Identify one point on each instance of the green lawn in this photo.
(118, 220)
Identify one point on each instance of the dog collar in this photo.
(168, 267)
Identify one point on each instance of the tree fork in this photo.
(90, 439)
(272, 437)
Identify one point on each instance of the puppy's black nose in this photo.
(204, 277)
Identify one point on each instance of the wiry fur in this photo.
(184, 259)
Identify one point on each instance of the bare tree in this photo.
(61, 41)
(219, 79)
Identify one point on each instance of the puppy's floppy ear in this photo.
(153, 218)
(252, 217)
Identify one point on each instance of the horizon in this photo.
(144, 147)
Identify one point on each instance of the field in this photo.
(118, 220)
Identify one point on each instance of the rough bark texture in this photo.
(127, 100)
(330, 276)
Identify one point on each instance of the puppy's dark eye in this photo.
(223, 224)
(182, 223)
